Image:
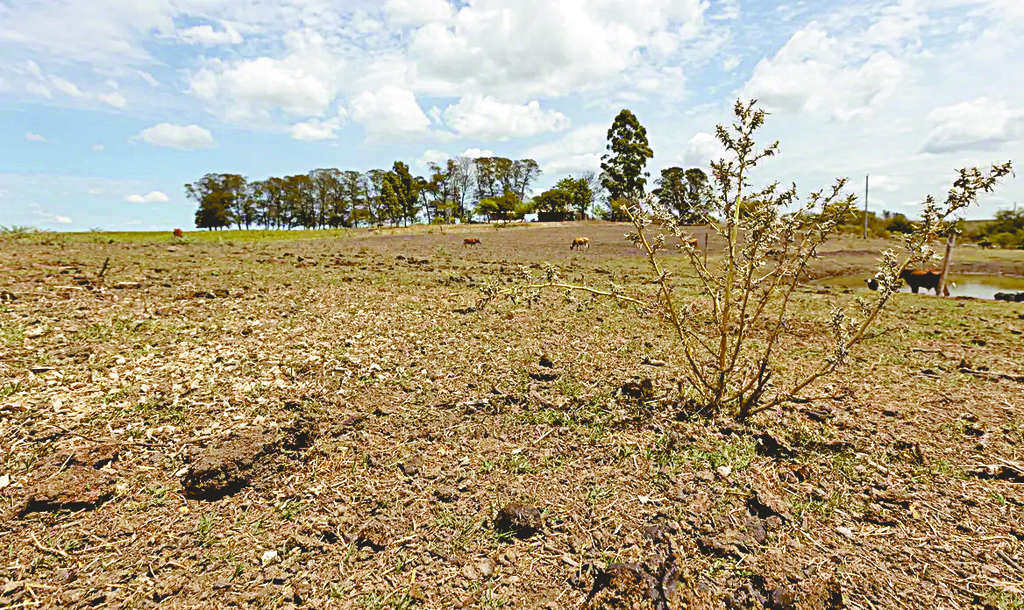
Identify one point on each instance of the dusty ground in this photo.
(327, 424)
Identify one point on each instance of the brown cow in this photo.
(470, 241)
(917, 279)
(579, 242)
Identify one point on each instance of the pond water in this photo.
(975, 285)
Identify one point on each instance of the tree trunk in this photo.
(950, 243)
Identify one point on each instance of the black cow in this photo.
(917, 279)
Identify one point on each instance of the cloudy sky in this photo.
(107, 107)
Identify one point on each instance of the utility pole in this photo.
(865, 236)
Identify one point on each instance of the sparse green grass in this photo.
(204, 527)
(12, 334)
(822, 507)
(157, 410)
(10, 390)
(738, 453)
(289, 509)
(396, 600)
(1002, 600)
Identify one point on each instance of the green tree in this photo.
(299, 201)
(554, 200)
(354, 192)
(500, 207)
(485, 171)
(379, 212)
(442, 190)
(330, 206)
(406, 188)
(267, 196)
(390, 206)
(580, 191)
(685, 192)
(899, 223)
(623, 167)
(222, 199)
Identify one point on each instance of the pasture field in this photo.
(301, 420)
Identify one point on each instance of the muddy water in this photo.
(977, 286)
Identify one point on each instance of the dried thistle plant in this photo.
(731, 361)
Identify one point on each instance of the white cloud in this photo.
(579, 150)
(66, 87)
(45, 216)
(701, 149)
(485, 118)
(34, 137)
(983, 124)
(182, 137)
(391, 112)
(524, 49)
(38, 90)
(315, 129)
(113, 98)
(32, 68)
(97, 148)
(476, 153)
(206, 36)
(304, 83)
(816, 72)
(433, 156)
(152, 197)
(418, 12)
(96, 191)
(99, 31)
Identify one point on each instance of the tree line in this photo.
(461, 188)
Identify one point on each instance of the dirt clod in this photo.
(76, 488)
(518, 520)
(227, 467)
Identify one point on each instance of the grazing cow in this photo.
(917, 279)
(470, 241)
(178, 233)
(579, 242)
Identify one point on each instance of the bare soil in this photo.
(333, 424)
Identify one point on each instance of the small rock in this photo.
(469, 572)
(412, 466)
(724, 471)
(268, 557)
(35, 332)
(845, 532)
(416, 592)
(485, 567)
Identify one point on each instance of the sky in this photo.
(109, 107)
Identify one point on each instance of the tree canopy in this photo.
(685, 193)
(628, 151)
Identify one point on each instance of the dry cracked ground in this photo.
(330, 424)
